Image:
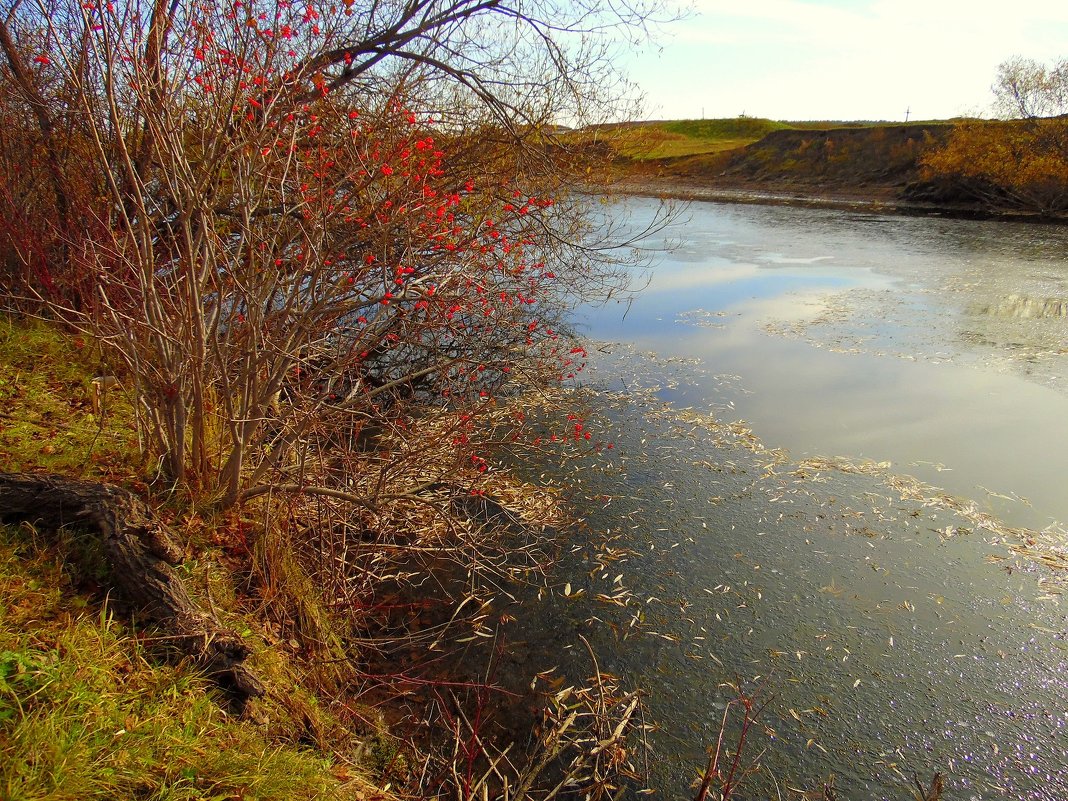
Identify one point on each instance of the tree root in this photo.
(141, 553)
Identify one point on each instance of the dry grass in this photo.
(311, 580)
(85, 713)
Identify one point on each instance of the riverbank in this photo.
(860, 166)
(680, 189)
(872, 200)
(350, 670)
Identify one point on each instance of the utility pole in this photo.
(907, 113)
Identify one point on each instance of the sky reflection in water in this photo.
(896, 640)
(914, 391)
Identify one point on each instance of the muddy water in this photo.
(895, 626)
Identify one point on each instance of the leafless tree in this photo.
(1027, 89)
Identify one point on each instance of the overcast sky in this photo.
(841, 59)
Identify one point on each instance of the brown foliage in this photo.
(1020, 162)
(295, 229)
(47, 183)
(1013, 164)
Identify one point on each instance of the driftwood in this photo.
(141, 553)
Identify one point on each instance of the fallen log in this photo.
(141, 552)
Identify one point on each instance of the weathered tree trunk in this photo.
(141, 552)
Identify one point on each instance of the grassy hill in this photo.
(862, 156)
(670, 139)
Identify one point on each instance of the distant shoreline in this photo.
(876, 200)
(862, 168)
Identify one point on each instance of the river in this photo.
(839, 463)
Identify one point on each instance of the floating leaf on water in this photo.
(1043, 629)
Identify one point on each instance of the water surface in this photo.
(941, 346)
(895, 628)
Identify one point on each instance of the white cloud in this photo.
(842, 59)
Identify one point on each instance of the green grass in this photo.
(85, 714)
(47, 420)
(676, 139)
(680, 138)
(734, 128)
(670, 147)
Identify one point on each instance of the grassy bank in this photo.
(770, 155)
(673, 139)
(88, 711)
(364, 698)
(93, 705)
(988, 168)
